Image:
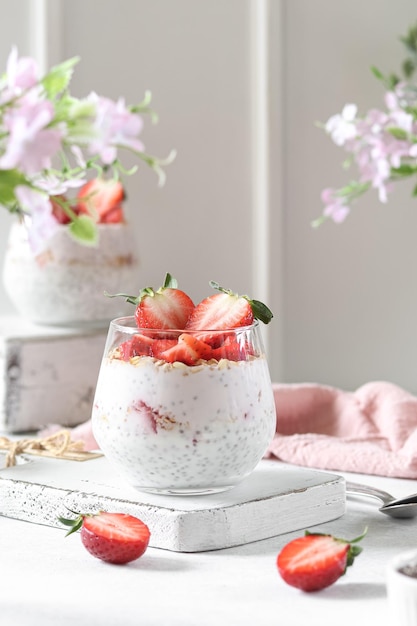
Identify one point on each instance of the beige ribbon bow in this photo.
(59, 445)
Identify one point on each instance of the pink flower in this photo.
(21, 74)
(335, 206)
(43, 224)
(342, 127)
(55, 186)
(31, 145)
(114, 126)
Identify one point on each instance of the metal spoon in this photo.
(395, 507)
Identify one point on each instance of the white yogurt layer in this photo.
(180, 428)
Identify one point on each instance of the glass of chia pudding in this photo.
(183, 411)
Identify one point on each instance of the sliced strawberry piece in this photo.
(231, 349)
(316, 561)
(114, 216)
(102, 199)
(166, 308)
(227, 310)
(113, 537)
(188, 350)
(138, 345)
(161, 345)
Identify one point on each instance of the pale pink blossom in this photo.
(55, 186)
(342, 127)
(31, 145)
(21, 74)
(335, 206)
(78, 156)
(114, 126)
(43, 224)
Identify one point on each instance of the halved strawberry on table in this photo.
(102, 199)
(316, 561)
(112, 537)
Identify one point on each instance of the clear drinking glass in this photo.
(177, 428)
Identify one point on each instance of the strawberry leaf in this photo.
(170, 282)
(83, 229)
(261, 311)
(74, 524)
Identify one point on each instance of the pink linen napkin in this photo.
(372, 430)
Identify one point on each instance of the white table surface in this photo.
(50, 580)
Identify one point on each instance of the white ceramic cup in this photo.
(402, 588)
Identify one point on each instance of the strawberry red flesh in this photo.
(115, 537)
(316, 561)
(102, 199)
(114, 216)
(166, 308)
(57, 209)
(188, 350)
(221, 312)
(138, 345)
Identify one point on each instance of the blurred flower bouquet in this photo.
(382, 143)
(52, 142)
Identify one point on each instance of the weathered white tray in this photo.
(275, 499)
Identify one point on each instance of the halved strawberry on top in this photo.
(102, 199)
(165, 308)
(226, 310)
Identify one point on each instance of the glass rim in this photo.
(127, 324)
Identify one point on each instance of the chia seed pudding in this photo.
(180, 429)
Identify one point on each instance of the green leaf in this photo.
(261, 311)
(57, 80)
(131, 299)
(414, 194)
(377, 73)
(170, 282)
(73, 524)
(408, 68)
(406, 169)
(84, 230)
(9, 180)
(398, 133)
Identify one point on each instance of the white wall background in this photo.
(344, 297)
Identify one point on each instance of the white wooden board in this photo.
(47, 374)
(275, 499)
